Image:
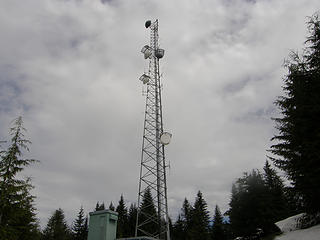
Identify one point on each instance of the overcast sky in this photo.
(71, 69)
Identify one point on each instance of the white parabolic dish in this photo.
(165, 138)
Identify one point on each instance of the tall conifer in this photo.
(297, 145)
(57, 227)
(200, 219)
(178, 229)
(17, 212)
(148, 212)
(183, 226)
(122, 219)
(132, 219)
(111, 207)
(218, 230)
(79, 229)
(277, 199)
(249, 206)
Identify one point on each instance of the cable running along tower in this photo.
(152, 216)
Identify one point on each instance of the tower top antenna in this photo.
(147, 24)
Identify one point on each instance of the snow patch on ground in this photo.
(291, 231)
(289, 224)
(312, 233)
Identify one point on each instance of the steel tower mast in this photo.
(153, 164)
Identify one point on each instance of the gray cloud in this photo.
(71, 69)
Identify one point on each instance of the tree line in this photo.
(258, 198)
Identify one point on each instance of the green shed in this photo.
(103, 225)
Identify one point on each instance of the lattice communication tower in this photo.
(153, 164)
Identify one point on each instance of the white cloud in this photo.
(71, 69)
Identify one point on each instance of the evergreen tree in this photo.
(79, 229)
(178, 230)
(100, 206)
(297, 145)
(186, 213)
(218, 230)
(200, 219)
(97, 206)
(250, 205)
(148, 211)
(170, 228)
(132, 219)
(85, 228)
(279, 208)
(17, 212)
(186, 218)
(111, 207)
(57, 228)
(183, 226)
(294, 201)
(122, 219)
